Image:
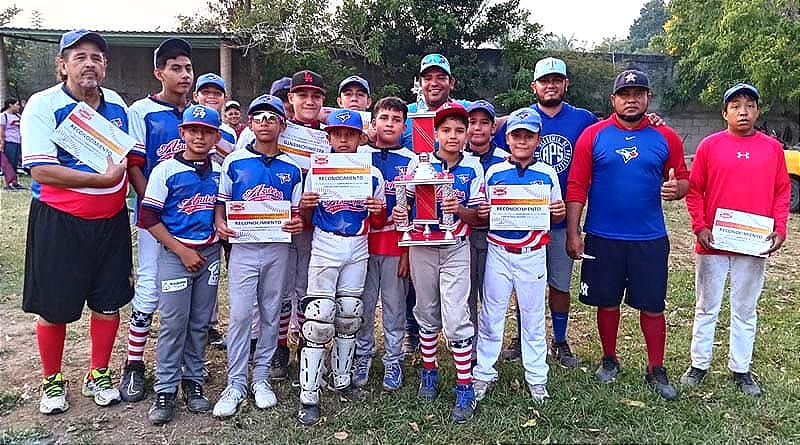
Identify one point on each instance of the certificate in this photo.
(300, 142)
(341, 176)
(519, 207)
(742, 232)
(91, 138)
(259, 221)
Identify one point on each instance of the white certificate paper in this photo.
(300, 142)
(519, 207)
(259, 221)
(742, 232)
(91, 138)
(341, 176)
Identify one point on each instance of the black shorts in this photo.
(70, 260)
(636, 268)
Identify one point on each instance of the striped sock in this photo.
(462, 357)
(137, 335)
(427, 345)
(285, 319)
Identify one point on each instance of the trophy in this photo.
(427, 183)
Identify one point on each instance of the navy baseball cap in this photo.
(344, 118)
(210, 79)
(200, 115)
(525, 118)
(71, 38)
(307, 79)
(482, 105)
(449, 109)
(434, 61)
(549, 65)
(741, 87)
(173, 45)
(631, 78)
(360, 81)
(267, 102)
(284, 83)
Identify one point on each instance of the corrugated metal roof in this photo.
(147, 39)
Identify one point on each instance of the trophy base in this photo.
(433, 238)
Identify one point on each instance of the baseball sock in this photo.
(654, 328)
(51, 346)
(285, 320)
(462, 356)
(137, 335)
(103, 332)
(559, 326)
(427, 345)
(607, 327)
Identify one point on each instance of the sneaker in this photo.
(428, 384)
(393, 377)
(228, 402)
(19, 186)
(563, 354)
(352, 393)
(216, 339)
(657, 379)
(131, 385)
(538, 392)
(10, 188)
(480, 387)
(464, 409)
(308, 414)
(265, 397)
(163, 409)
(744, 381)
(410, 344)
(54, 395)
(194, 398)
(361, 365)
(279, 367)
(608, 370)
(693, 376)
(97, 384)
(513, 352)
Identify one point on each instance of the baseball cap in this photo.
(210, 79)
(172, 46)
(741, 87)
(433, 61)
(232, 104)
(631, 78)
(482, 105)
(344, 118)
(69, 39)
(284, 83)
(307, 79)
(267, 101)
(525, 118)
(354, 79)
(449, 109)
(549, 65)
(200, 115)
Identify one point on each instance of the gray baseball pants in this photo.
(382, 279)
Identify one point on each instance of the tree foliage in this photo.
(650, 23)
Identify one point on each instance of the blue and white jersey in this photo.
(511, 173)
(155, 124)
(391, 162)
(185, 199)
(346, 218)
(248, 175)
(494, 155)
(468, 187)
(228, 133)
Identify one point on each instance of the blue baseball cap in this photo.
(267, 101)
(549, 65)
(525, 118)
(210, 79)
(482, 105)
(71, 38)
(172, 46)
(741, 87)
(200, 115)
(354, 79)
(344, 118)
(434, 61)
(284, 83)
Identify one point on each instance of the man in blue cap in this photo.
(78, 249)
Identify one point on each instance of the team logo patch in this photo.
(199, 112)
(175, 285)
(630, 77)
(523, 115)
(284, 177)
(262, 192)
(584, 289)
(213, 273)
(307, 78)
(117, 121)
(464, 178)
(555, 150)
(169, 149)
(344, 117)
(742, 155)
(628, 153)
(197, 203)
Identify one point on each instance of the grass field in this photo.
(579, 409)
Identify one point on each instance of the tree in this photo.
(650, 23)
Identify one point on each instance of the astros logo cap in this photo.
(631, 78)
(201, 115)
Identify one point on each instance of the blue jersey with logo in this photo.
(248, 175)
(185, 199)
(511, 173)
(391, 162)
(346, 218)
(494, 155)
(155, 124)
(406, 139)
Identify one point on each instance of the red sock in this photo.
(607, 326)
(51, 346)
(283, 327)
(654, 328)
(103, 333)
(428, 344)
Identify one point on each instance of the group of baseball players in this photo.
(344, 255)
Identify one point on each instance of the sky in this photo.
(596, 20)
